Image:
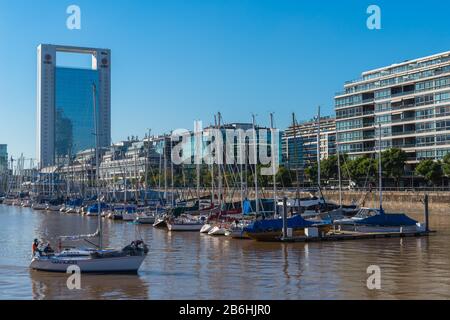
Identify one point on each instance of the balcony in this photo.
(401, 133)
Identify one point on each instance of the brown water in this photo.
(196, 266)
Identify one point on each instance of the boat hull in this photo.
(217, 231)
(160, 223)
(277, 235)
(126, 264)
(206, 228)
(184, 227)
(236, 234)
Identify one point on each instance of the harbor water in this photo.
(198, 266)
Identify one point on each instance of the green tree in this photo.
(393, 162)
(311, 172)
(329, 168)
(446, 164)
(430, 170)
(284, 177)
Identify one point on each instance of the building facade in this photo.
(3, 167)
(300, 142)
(65, 104)
(409, 101)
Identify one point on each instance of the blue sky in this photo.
(177, 61)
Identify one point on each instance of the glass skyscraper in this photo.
(3, 157)
(74, 111)
(65, 109)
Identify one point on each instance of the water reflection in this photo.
(53, 286)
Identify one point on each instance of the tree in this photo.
(393, 163)
(329, 168)
(430, 170)
(311, 172)
(446, 164)
(360, 168)
(284, 177)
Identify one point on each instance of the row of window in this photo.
(397, 80)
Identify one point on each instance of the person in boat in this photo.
(35, 247)
(48, 249)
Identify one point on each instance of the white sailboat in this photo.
(100, 260)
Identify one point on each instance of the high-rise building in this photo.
(300, 142)
(65, 108)
(411, 102)
(3, 167)
(3, 157)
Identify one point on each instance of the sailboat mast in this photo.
(198, 156)
(272, 139)
(220, 191)
(255, 157)
(339, 171)
(380, 180)
(318, 147)
(297, 193)
(97, 168)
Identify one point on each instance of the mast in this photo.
(255, 157)
(294, 126)
(97, 169)
(318, 147)
(272, 138)
(220, 191)
(339, 171)
(198, 157)
(146, 166)
(379, 170)
(165, 170)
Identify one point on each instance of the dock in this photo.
(350, 235)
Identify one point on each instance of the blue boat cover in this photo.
(250, 205)
(388, 220)
(277, 224)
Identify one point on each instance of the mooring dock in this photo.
(351, 235)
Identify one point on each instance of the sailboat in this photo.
(97, 260)
(377, 220)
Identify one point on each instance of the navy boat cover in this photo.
(388, 220)
(277, 224)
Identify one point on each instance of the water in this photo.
(197, 266)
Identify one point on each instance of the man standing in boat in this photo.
(35, 247)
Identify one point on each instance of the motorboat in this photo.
(160, 222)
(145, 218)
(39, 206)
(184, 223)
(236, 229)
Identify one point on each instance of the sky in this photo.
(176, 61)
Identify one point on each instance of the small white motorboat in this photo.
(39, 206)
(128, 216)
(184, 224)
(53, 207)
(145, 218)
